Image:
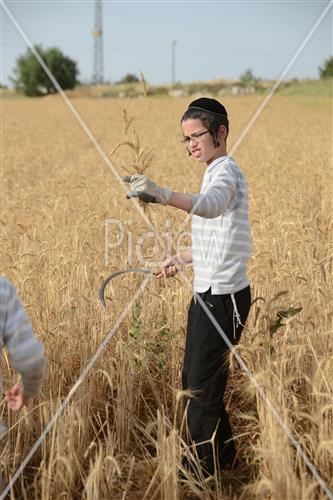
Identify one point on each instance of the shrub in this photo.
(326, 71)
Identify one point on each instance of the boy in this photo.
(221, 247)
(26, 352)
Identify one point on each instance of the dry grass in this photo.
(119, 436)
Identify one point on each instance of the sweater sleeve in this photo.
(26, 352)
(217, 197)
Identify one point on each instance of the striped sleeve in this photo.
(26, 352)
(217, 197)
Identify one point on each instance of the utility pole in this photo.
(97, 33)
(173, 62)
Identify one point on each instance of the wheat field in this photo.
(119, 437)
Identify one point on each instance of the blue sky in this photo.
(215, 39)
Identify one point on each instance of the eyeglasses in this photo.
(193, 137)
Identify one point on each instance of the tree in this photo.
(247, 77)
(129, 78)
(31, 79)
(327, 70)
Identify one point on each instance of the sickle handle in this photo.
(156, 271)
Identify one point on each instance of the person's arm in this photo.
(209, 204)
(26, 352)
(181, 200)
(215, 200)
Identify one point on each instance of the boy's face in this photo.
(202, 148)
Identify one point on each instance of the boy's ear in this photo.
(223, 132)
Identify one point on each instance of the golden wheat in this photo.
(120, 435)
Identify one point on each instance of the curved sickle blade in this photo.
(118, 273)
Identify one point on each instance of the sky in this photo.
(215, 39)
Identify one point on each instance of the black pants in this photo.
(205, 372)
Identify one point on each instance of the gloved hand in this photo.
(145, 189)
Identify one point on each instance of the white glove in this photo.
(149, 192)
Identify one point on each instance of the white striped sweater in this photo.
(26, 352)
(221, 236)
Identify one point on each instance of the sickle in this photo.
(101, 292)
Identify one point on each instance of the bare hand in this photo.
(15, 398)
(168, 269)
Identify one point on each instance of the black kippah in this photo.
(209, 105)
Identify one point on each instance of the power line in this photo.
(227, 52)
